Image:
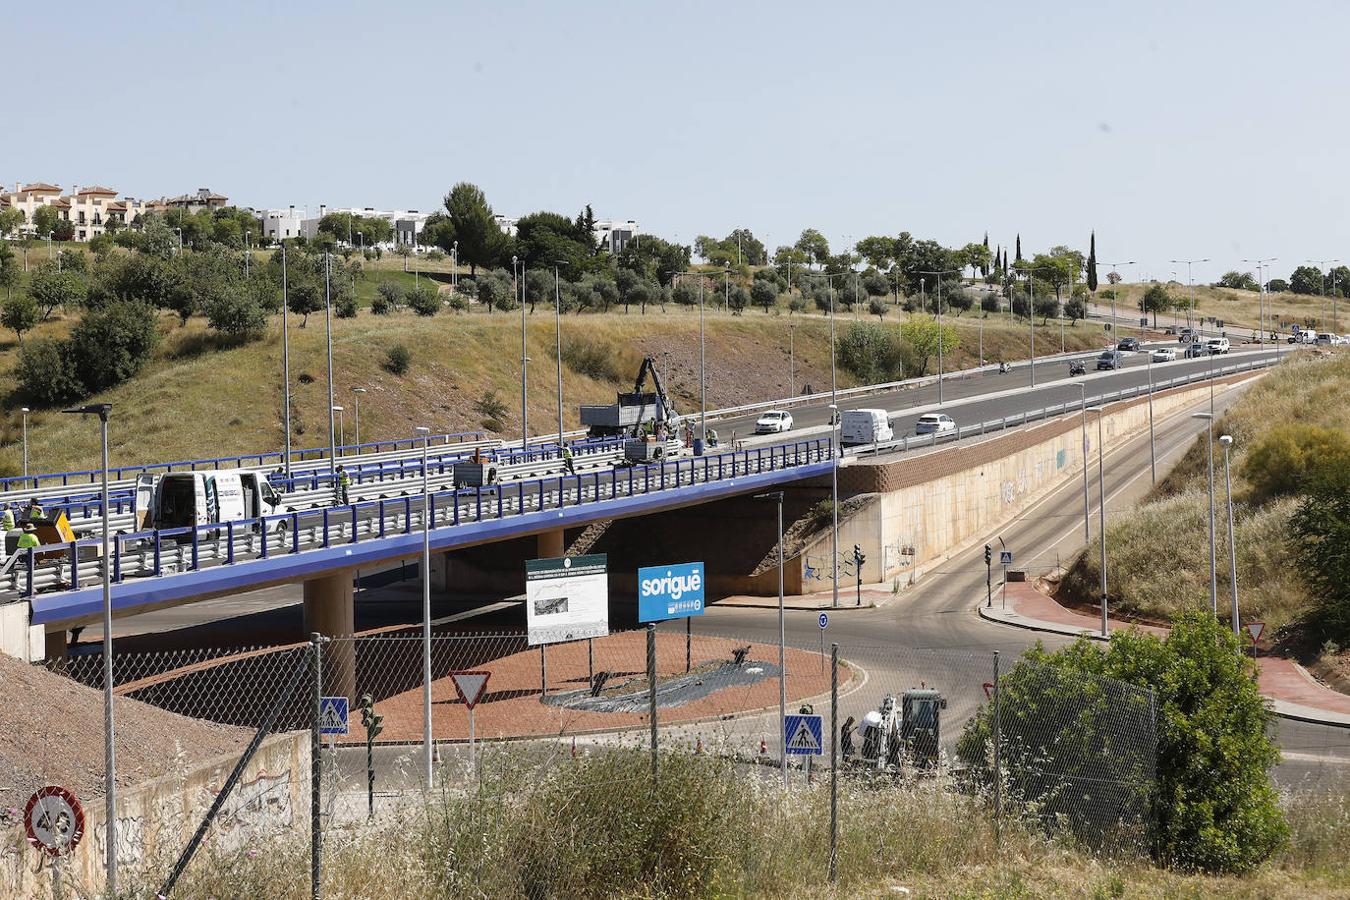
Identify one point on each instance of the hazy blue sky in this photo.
(1174, 129)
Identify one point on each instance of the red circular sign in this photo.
(54, 819)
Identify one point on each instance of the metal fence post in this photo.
(834, 763)
(651, 692)
(998, 774)
(315, 773)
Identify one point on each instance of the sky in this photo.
(1173, 129)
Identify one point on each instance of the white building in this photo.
(280, 224)
(611, 235)
(406, 223)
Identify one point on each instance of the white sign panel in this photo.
(566, 599)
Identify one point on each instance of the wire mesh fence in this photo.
(1011, 741)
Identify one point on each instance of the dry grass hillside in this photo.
(1241, 310)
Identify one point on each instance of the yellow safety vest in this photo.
(28, 539)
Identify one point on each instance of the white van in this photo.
(183, 499)
(1217, 345)
(864, 426)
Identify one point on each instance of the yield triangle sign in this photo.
(470, 686)
(1255, 629)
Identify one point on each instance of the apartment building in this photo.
(89, 210)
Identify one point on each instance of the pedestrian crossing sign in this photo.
(803, 734)
(333, 715)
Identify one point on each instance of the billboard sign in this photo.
(670, 592)
(566, 599)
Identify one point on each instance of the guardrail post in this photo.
(325, 527)
(501, 491)
(381, 517)
(32, 566)
(295, 532)
(478, 499)
(196, 548)
(229, 543)
(355, 524)
(262, 531)
(116, 544)
(157, 552)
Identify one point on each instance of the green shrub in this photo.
(1291, 455)
(870, 352)
(234, 312)
(112, 344)
(424, 301)
(1320, 541)
(345, 308)
(398, 359)
(590, 359)
(45, 373)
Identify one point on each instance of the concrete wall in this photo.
(17, 637)
(156, 819)
(926, 508)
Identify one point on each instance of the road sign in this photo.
(470, 686)
(54, 820)
(566, 599)
(670, 592)
(803, 735)
(1005, 557)
(1255, 629)
(333, 715)
(824, 621)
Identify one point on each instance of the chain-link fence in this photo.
(220, 749)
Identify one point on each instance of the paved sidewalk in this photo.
(873, 595)
(1294, 693)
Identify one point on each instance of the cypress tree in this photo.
(1092, 264)
(1018, 257)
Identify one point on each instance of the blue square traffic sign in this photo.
(1005, 557)
(803, 735)
(333, 715)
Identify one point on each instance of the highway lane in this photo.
(933, 628)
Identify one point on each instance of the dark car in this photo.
(1128, 344)
(1110, 359)
(1194, 351)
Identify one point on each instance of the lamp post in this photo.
(792, 362)
(557, 319)
(1226, 440)
(1190, 312)
(1101, 506)
(1319, 263)
(524, 360)
(1082, 406)
(102, 410)
(777, 496)
(286, 358)
(24, 411)
(1213, 560)
(1152, 446)
(702, 364)
(454, 266)
(1115, 289)
(328, 344)
(426, 604)
(938, 307)
(180, 240)
(835, 416)
(1261, 290)
(358, 391)
(342, 430)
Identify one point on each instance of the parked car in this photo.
(1164, 354)
(934, 423)
(1128, 345)
(1326, 339)
(864, 426)
(1110, 359)
(1187, 335)
(1217, 345)
(1194, 351)
(773, 422)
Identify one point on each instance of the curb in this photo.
(1282, 708)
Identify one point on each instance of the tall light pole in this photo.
(180, 240)
(938, 308)
(792, 362)
(1115, 289)
(1261, 289)
(702, 363)
(357, 392)
(835, 417)
(109, 749)
(1227, 441)
(1190, 313)
(557, 320)
(286, 357)
(782, 642)
(1082, 406)
(24, 411)
(1213, 559)
(1101, 506)
(524, 360)
(454, 266)
(1152, 446)
(342, 429)
(1319, 263)
(426, 604)
(328, 342)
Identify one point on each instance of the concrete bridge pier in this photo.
(329, 611)
(550, 544)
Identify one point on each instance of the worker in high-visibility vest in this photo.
(29, 538)
(7, 519)
(33, 510)
(568, 462)
(344, 482)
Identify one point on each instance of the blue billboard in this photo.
(670, 592)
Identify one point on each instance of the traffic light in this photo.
(370, 720)
(858, 557)
(988, 555)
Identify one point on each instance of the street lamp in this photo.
(557, 319)
(342, 430)
(328, 344)
(1115, 289)
(1082, 406)
(519, 287)
(1319, 263)
(1213, 560)
(358, 391)
(782, 641)
(1190, 313)
(702, 364)
(180, 240)
(938, 307)
(1227, 441)
(454, 266)
(426, 603)
(286, 357)
(1101, 506)
(792, 362)
(1261, 290)
(25, 411)
(102, 410)
(835, 418)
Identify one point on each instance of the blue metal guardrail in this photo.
(281, 535)
(26, 482)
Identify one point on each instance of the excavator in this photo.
(645, 418)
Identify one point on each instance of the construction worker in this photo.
(7, 519)
(568, 463)
(344, 482)
(29, 538)
(33, 510)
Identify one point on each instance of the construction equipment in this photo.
(903, 734)
(635, 413)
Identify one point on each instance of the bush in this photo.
(388, 296)
(1292, 455)
(1320, 541)
(590, 359)
(989, 302)
(870, 352)
(397, 359)
(20, 313)
(876, 307)
(345, 308)
(424, 301)
(235, 313)
(764, 291)
(44, 372)
(1212, 807)
(111, 344)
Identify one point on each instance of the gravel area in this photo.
(51, 732)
